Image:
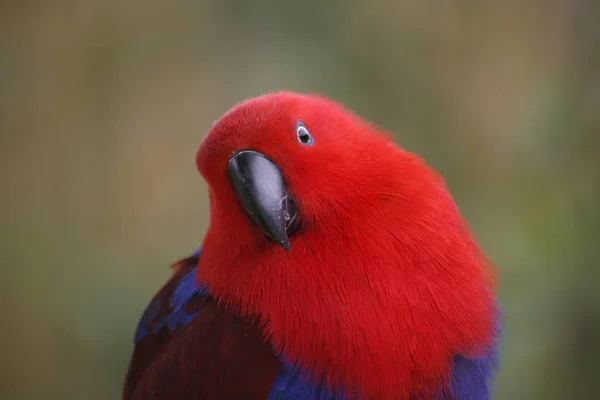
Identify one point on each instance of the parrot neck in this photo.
(339, 309)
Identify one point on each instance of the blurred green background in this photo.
(103, 104)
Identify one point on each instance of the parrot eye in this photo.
(304, 136)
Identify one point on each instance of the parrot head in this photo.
(292, 163)
(348, 250)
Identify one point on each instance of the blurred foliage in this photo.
(103, 104)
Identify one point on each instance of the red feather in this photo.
(384, 283)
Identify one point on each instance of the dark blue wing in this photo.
(167, 308)
(187, 346)
(175, 305)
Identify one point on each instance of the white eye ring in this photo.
(304, 136)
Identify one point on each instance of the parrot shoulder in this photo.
(187, 346)
(170, 307)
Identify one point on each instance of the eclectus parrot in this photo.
(336, 266)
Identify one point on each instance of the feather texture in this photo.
(188, 347)
(175, 357)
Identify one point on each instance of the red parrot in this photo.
(336, 266)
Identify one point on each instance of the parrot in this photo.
(335, 265)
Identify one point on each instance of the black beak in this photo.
(261, 190)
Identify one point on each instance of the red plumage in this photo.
(384, 283)
(383, 288)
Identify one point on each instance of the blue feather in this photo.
(185, 290)
(472, 378)
(291, 384)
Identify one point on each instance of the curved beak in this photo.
(259, 186)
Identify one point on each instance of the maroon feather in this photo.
(218, 355)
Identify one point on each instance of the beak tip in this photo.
(285, 244)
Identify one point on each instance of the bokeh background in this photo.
(104, 102)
